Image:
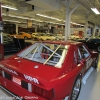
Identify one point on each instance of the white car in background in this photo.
(34, 34)
(60, 37)
(47, 36)
(75, 37)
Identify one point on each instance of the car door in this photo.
(84, 56)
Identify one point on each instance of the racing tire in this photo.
(25, 37)
(95, 63)
(98, 49)
(76, 88)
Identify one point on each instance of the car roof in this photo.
(68, 42)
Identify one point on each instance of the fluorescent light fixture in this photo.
(36, 20)
(95, 10)
(59, 24)
(54, 23)
(12, 21)
(9, 7)
(18, 16)
(10, 15)
(49, 22)
(48, 17)
(3, 14)
(75, 23)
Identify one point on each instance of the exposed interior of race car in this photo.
(83, 51)
(51, 54)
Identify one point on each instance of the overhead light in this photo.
(75, 23)
(10, 15)
(12, 21)
(60, 23)
(3, 14)
(48, 17)
(36, 20)
(22, 17)
(9, 7)
(18, 16)
(54, 23)
(95, 10)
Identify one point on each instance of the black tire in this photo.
(25, 37)
(98, 49)
(95, 64)
(76, 88)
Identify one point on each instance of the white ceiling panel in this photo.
(53, 8)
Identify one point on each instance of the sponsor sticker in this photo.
(31, 79)
(17, 80)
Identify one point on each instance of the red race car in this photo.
(49, 70)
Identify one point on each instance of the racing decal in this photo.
(31, 79)
(9, 70)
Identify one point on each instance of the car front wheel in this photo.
(96, 63)
(76, 89)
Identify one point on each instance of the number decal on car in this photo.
(88, 63)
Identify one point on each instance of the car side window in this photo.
(79, 56)
(75, 58)
(83, 52)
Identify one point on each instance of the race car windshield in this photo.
(46, 53)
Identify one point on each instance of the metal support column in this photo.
(67, 23)
(86, 25)
(16, 28)
(94, 30)
(1, 25)
(1, 36)
(68, 18)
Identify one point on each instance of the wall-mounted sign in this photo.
(29, 23)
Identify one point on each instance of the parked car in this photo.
(33, 34)
(75, 37)
(59, 37)
(49, 70)
(46, 36)
(37, 36)
(9, 46)
(13, 45)
(92, 43)
(22, 35)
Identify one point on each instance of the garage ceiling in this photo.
(52, 8)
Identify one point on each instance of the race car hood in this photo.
(31, 68)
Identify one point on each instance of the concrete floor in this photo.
(89, 91)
